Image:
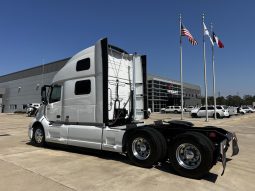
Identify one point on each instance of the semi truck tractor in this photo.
(98, 100)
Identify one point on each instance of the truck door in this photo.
(57, 131)
(79, 106)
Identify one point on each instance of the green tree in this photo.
(231, 100)
(234, 100)
(210, 100)
(247, 100)
(221, 100)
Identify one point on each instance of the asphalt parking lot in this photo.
(26, 167)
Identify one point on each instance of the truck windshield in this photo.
(55, 94)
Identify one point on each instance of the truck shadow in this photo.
(86, 151)
(106, 155)
(167, 167)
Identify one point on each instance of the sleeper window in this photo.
(82, 87)
(83, 64)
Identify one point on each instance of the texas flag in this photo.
(217, 40)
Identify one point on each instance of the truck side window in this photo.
(83, 64)
(55, 94)
(82, 87)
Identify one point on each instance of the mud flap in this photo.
(235, 148)
(223, 149)
(231, 137)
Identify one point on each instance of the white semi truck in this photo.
(97, 100)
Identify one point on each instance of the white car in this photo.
(189, 108)
(248, 109)
(241, 110)
(31, 106)
(224, 109)
(171, 109)
(201, 112)
(149, 112)
(231, 110)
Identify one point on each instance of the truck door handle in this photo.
(58, 116)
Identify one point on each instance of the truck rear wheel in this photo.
(191, 155)
(163, 144)
(144, 148)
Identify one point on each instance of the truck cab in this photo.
(100, 87)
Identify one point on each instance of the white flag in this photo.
(206, 32)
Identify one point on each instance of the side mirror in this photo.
(44, 95)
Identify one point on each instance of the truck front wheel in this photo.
(191, 155)
(38, 136)
(144, 148)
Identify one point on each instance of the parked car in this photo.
(149, 112)
(189, 108)
(201, 112)
(32, 108)
(240, 110)
(224, 109)
(231, 110)
(248, 109)
(171, 109)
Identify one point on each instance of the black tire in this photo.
(175, 111)
(205, 155)
(151, 142)
(163, 145)
(194, 115)
(38, 136)
(217, 115)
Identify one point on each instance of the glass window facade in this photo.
(162, 94)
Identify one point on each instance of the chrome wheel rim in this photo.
(188, 156)
(141, 148)
(38, 135)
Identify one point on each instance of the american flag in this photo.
(185, 32)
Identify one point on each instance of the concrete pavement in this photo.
(26, 167)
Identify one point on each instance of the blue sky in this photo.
(33, 32)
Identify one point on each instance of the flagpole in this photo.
(206, 104)
(213, 68)
(181, 68)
